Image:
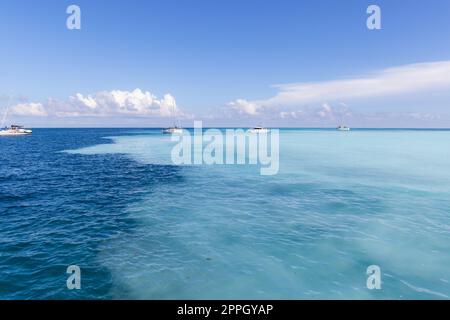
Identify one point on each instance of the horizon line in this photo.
(249, 127)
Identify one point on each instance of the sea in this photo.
(138, 226)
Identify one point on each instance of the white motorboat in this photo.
(258, 130)
(15, 130)
(343, 128)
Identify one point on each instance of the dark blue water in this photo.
(57, 209)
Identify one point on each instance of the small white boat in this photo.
(258, 130)
(343, 128)
(15, 130)
(173, 130)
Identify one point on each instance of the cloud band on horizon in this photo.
(316, 102)
(388, 82)
(136, 103)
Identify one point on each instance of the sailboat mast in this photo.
(175, 124)
(6, 113)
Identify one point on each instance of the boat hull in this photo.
(258, 130)
(172, 131)
(15, 133)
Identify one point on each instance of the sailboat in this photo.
(175, 129)
(258, 130)
(343, 128)
(13, 130)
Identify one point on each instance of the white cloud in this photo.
(291, 114)
(424, 116)
(29, 109)
(104, 103)
(315, 113)
(393, 81)
(244, 106)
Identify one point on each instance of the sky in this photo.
(228, 63)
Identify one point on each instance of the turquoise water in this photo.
(110, 201)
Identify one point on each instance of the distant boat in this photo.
(343, 128)
(173, 130)
(258, 130)
(15, 130)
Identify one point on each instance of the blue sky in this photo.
(215, 58)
